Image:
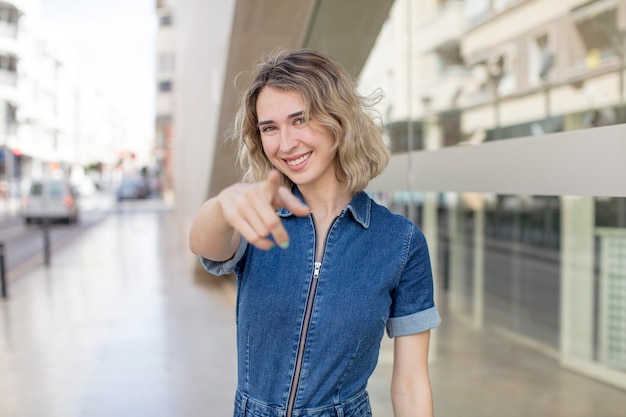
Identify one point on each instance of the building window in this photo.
(8, 14)
(165, 20)
(11, 118)
(541, 60)
(8, 63)
(477, 11)
(165, 86)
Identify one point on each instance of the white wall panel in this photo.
(583, 162)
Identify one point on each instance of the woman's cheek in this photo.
(270, 147)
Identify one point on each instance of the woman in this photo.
(322, 269)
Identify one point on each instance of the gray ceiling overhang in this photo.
(343, 29)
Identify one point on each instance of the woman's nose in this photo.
(287, 139)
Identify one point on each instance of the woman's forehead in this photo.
(274, 102)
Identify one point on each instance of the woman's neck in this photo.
(326, 202)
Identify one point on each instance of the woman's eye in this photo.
(298, 121)
(267, 129)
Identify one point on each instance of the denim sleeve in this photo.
(225, 267)
(413, 308)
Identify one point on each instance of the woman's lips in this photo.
(298, 161)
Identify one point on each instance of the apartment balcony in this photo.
(446, 91)
(602, 63)
(18, 5)
(8, 90)
(10, 46)
(597, 26)
(445, 28)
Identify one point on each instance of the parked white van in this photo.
(52, 200)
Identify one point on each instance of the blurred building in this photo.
(45, 123)
(165, 85)
(506, 122)
(52, 113)
(10, 14)
(528, 234)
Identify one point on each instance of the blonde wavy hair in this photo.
(331, 99)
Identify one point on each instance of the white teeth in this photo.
(299, 160)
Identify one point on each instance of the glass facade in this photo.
(548, 267)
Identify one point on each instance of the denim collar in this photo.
(359, 207)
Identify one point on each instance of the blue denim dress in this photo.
(309, 333)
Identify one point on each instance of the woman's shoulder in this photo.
(382, 213)
(392, 222)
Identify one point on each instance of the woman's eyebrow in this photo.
(296, 114)
(290, 116)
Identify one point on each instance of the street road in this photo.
(24, 244)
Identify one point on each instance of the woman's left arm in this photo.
(411, 394)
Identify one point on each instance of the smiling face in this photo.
(301, 149)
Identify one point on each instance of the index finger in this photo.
(282, 197)
(271, 189)
(292, 203)
(272, 184)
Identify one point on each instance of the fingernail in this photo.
(284, 245)
(272, 247)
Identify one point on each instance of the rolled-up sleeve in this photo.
(225, 267)
(414, 323)
(413, 308)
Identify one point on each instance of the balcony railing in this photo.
(586, 68)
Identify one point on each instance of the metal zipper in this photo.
(303, 335)
(306, 321)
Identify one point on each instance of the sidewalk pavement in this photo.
(119, 326)
(9, 211)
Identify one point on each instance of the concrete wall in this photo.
(202, 36)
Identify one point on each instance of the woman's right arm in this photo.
(211, 236)
(247, 210)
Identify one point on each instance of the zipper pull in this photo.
(316, 271)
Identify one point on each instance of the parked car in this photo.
(51, 200)
(131, 189)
